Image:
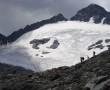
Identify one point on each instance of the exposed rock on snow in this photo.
(100, 44)
(55, 44)
(37, 42)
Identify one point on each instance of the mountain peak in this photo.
(96, 7)
(59, 17)
(92, 10)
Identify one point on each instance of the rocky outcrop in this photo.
(100, 44)
(55, 44)
(37, 42)
(98, 13)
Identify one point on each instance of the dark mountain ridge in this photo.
(15, 35)
(97, 12)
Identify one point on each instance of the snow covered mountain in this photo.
(54, 45)
(57, 42)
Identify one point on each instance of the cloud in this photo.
(13, 17)
(15, 14)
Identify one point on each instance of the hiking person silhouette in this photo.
(82, 59)
(94, 53)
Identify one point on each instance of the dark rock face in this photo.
(107, 19)
(95, 11)
(45, 52)
(37, 42)
(55, 44)
(101, 44)
(107, 40)
(3, 39)
(15, 35)
(98, 44)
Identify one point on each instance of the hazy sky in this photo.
(15, 14)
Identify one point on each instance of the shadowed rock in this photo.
(107, 40)
(45, 52)
(55, 44)
(94, 11)
(98, 44)
(37, 42)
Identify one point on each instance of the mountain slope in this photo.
(95, 12)
(10, 69)
(93, 74)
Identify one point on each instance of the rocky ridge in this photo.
(93, 74)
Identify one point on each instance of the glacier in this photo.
(74, 37)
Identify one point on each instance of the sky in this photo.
(16, 14)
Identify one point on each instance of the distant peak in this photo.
(95, 6)
(59, 16)
(92, 10)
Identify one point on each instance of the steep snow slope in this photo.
(70, 40)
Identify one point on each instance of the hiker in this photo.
(82, 59)
(94, 53)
